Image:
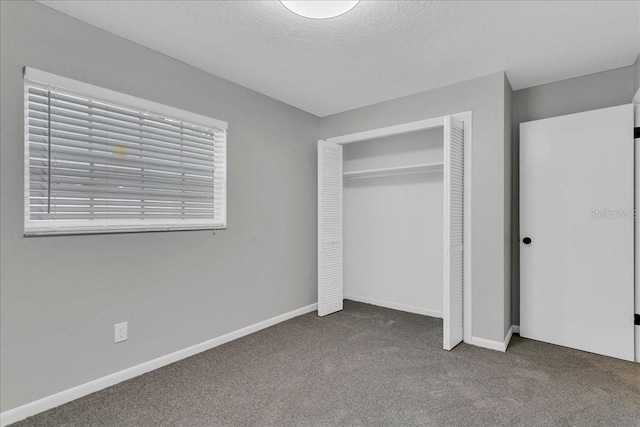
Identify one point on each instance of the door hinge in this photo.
(636, 132)
(636, 319)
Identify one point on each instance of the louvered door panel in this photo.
(453, 332)
(330, 290)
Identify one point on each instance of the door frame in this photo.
(636, 166)
(432, 123)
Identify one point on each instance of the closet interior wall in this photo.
(393, 224)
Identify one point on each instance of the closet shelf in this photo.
(421, 168)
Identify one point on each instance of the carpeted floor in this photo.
(367, 366)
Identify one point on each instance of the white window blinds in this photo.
(97, 161)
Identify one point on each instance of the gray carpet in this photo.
(367, 366)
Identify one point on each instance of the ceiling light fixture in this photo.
(320, 9)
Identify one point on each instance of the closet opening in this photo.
(391, 221)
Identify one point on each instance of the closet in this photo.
(391, 220)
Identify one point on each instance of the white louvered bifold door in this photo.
(453, 232)
(330, 292)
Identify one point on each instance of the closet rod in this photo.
(421, 168)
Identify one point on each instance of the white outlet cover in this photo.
(120, 332)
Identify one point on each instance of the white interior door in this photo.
(453, 331)
(330, 247)
(577, 230)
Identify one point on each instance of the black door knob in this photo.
(526, 240)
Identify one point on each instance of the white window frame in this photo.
(95, 226)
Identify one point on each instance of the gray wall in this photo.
(636, 76)
(508, 196)
(60, 296)
(486, 97)
(585, 93)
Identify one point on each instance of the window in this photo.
(99, 161)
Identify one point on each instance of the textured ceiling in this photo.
(381, 49)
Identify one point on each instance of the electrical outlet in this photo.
(120, 332)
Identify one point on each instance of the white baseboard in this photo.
(516, 329)
(493, 345)
(395, 306)
(49, 402)
(507, 339)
